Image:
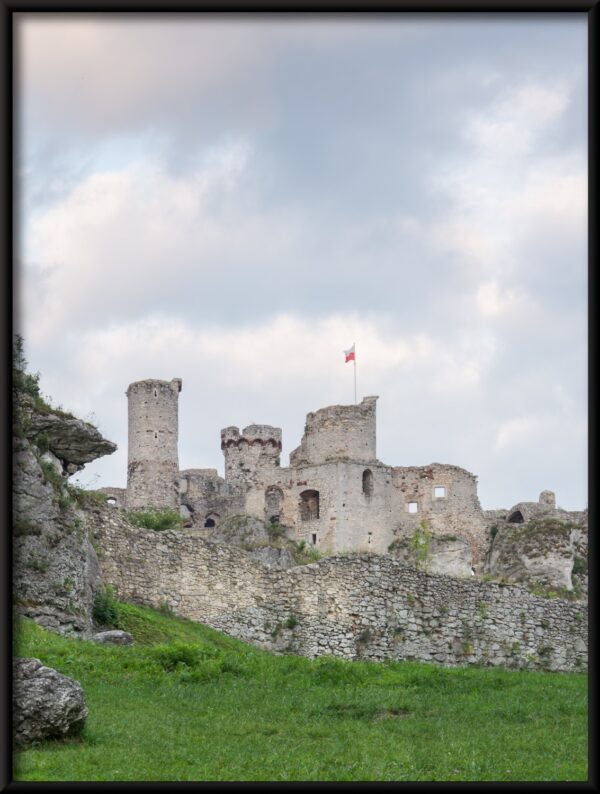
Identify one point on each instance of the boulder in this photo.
(46, 704)
(113, 637)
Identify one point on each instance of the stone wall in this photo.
(152, 458)
(456, 512)
(368, 607)
(338, 432)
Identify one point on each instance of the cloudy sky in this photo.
(234, 201)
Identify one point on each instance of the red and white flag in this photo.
(349, 355)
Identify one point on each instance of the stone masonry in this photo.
(355, 607)
(335, 495)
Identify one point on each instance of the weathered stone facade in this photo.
(152, 456)
(356, 607)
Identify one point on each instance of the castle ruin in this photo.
(335, 494)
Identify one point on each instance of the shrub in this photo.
(158, 519)
(50, 474)
(493, 531)
(579, 565)
(106, 609)
(304, 554)
(420, 545)
(42, 443)
(175, 654)
(291, 622)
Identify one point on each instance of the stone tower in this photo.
(152, 462)
(256, 449)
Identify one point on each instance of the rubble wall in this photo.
(359, 607)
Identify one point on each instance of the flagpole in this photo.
(354, 375)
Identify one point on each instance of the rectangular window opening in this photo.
(314, 538)
(413, 507)
(439, 491)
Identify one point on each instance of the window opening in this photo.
(367, 483)
(314, 538)
(439, 491)
(413, 507)
(309, 505)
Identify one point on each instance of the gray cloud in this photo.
(235, 203)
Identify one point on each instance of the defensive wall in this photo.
(369, 607)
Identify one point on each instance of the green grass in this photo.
(188, 703)
(158, 519)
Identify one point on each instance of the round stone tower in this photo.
(152, 460)
(256, 448)
(338, 432)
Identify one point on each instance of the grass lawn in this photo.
(188, 703)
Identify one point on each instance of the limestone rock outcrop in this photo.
(72, 441)
(443, 554)
(55, 571)
(46, 704)
(539, 552)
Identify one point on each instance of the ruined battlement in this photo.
(253, 434)
(247, 454)
(338, 432)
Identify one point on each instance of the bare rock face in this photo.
(70, 440)
(56, 571)
(46, 704)
(113, 637)
(541, 552)
(443, 554)
(268, 544)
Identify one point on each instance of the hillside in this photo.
(188, 703)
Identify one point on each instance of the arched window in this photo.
(309, 505)
(211, 520)
(516, 517)
(367, 483)
(111, 501)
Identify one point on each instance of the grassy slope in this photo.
(236, 713)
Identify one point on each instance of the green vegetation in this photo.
(579, 565)
(188, 703)
(156, 519)
(26, 391)
(420, 545)
(304, 554)
(106, 608)
(84, 498)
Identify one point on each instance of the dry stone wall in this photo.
(369, 607)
